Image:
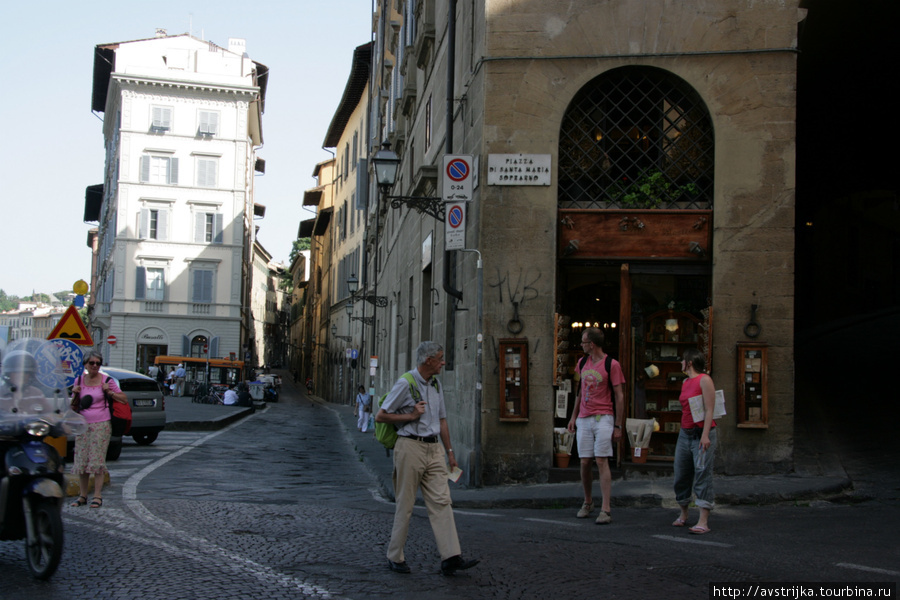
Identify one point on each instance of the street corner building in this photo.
(175, 241)
(553, 166)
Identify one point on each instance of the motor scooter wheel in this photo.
(44, 552)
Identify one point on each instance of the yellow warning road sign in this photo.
(71, 328)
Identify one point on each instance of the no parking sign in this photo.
(455, 226)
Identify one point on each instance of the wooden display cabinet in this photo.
(668, 334)
(514, 379)
(752, 387)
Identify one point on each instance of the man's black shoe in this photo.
(456, 563)
(400, 567)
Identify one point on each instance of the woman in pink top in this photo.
(696, 446)
(89, 399)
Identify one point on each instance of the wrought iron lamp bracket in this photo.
(422, 204)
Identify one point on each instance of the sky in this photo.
(54, 143)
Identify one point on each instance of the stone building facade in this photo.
(633, 168)
(182, 120)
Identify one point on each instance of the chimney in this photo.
(238, 46)
(161, 33)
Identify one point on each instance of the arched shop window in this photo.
(198, 342)
(636, 137)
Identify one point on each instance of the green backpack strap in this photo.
(413, 386)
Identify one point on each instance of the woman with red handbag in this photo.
(90, 398)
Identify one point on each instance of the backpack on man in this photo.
(386, 433)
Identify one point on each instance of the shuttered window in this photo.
(202, 286)
(154, 224)
(161, 119)
(208, 125)
(159, 169)
(207, 171)
(150, 284)
(208, 228)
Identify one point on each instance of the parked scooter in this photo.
(33, 405)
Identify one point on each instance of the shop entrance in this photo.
(649, 314)
(146, 355)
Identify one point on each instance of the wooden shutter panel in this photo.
(144, 227)
(218, 220)
(214, 347)
(199, 227)
(185, 345)
(162, 225)
(173, 171)
(145, 168)
(140, 283)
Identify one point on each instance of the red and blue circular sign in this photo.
(457, 169)
(455, 216)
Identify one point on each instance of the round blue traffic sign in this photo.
(457, 169)
(455, 216)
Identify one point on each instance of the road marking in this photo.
(687, 540)
(262, 572)
(869, 569)
(552, 522)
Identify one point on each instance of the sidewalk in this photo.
(184, 415)
(813, 479)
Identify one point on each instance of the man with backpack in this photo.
(421, 452)
(597, 421)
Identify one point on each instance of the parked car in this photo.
(148, 409)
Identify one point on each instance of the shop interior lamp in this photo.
(671, 322)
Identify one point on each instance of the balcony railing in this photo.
(153, 307)
(200, 309)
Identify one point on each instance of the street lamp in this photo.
(386, 163)
(352, 284)
(334, 334)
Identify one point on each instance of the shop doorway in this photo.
(633, 304)
(146, 356)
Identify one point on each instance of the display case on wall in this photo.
(752, 388)
(668, 334)
(514, 379)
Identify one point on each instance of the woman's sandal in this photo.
(96, 502)
(679, 522)
(82, 500)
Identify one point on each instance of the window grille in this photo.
(636, 137)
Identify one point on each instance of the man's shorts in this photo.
(594, 435)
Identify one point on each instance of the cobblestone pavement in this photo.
(279, 505)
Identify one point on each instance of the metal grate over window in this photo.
(636, 137)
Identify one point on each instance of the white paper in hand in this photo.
(698, 411)
(455, 474)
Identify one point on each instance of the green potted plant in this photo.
(652, 190)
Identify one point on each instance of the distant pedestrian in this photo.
(152, 371)
(179, 380)
(420, 460)
(597, 420)
(695, 450)
(231, 396)
(363, 409)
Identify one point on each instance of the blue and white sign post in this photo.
(456, 191)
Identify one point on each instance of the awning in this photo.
(93, 201)
(306, 228)
(322, 221)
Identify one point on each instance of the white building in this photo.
(181, 122)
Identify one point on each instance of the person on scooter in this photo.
(18, 391)
(89, 396)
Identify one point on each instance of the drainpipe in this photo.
(449, 257)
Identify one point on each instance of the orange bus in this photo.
(221, 370)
